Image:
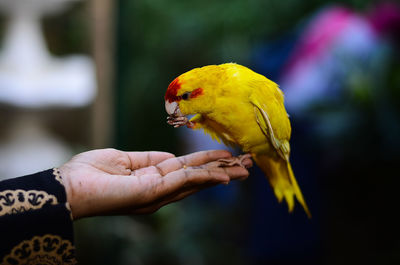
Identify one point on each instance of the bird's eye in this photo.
(185, 96)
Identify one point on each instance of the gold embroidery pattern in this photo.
(48, 250)
(57, 175)
(18, 201)
(69, 210)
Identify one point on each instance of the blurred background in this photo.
(77, 75)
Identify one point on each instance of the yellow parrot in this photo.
(242, 108)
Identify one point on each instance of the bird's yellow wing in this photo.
(218, 135)
(273, 120)
(271, 115)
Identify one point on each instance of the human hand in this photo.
(109, 181)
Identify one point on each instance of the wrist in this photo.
(67, 182)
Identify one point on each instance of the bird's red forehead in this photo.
(172, 91)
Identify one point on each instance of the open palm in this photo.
(109, 181)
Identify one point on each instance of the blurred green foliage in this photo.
(68, 32)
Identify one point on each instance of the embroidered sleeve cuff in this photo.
(35, 220)
(48, 181)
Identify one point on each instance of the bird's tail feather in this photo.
(280, 175)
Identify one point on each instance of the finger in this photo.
(145, 159)
(189, 178)
(194, 159)
(247, 163)
(194, 176)
(208, 173)
(234, 172)
(154, 187)
(146, 171)
(179, 162)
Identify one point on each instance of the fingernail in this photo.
(225, 183)
(247, 164)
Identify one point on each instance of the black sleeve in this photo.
(35, 220)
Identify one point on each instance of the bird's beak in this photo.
(172, 109)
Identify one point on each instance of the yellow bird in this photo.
(240, 107)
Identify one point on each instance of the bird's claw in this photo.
(235, 161)
(179, 121)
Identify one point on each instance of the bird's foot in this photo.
(179, 121)
(242, 160)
